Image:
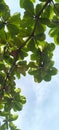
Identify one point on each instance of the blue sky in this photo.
(41, 112)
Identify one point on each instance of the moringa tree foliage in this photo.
(18, 37)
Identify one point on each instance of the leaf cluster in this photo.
(18, 37)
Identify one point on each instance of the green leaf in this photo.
(40, 37)
(47, 77)
(45, 21)
(2, 77)
(2, 113)
(7, 95)
(48, 13)
(1, 25)
(17, 90)
(9, 60)
(32, 64)
(38, 8)
(27, 21)
(56, 9)
(21, 68)
(31, 45)
(2, 66)
(2, 36)
(15, 19)
(32, 0)
(22, 99)
(13, 117)
(17, 106)
(17, 74)
(36, 73)
(13, 29)
(17, 41)
(40, 29)
(50, 47)
(22, 3)
(53, 71)
(1, 106)
(56, 39)
(4, 10)
(53, 32)
(12, 126)
(2, 6)
(57, 0)
(22, 54)
(27, 5)
(3, 127)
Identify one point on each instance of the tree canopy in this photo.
(19, 36)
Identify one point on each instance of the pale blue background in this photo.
(41, 112)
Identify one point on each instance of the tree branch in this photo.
(39, 14)
(32, 34)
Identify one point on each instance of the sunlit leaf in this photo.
(12, 126)
(18, 90)
(32, 0)
(13, 117)
(57, 0)
(1, 25)
(22, 99)
(56, 39)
